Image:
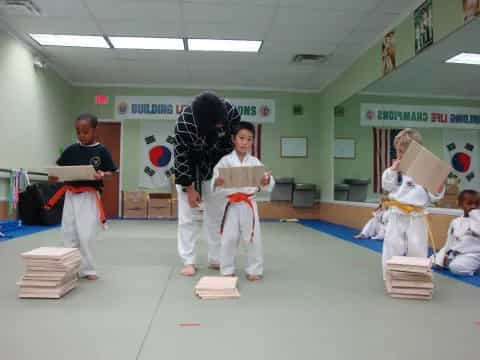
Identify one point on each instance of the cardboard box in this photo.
(449, 201)
(135, 199)
(240, 176)
(424, 167)
(135, 204)
(135, 213)
(452, 189)
(173, 187)
(159, 205)
(174, 208)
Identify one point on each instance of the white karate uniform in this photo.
(406, 234)
(238, 221)
(375, 227)
(464, 242)
(80, 226)
(190, 221)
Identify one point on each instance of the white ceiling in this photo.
(340, 28)
(428, 75)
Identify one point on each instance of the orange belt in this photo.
(237, 198)
(77, 190)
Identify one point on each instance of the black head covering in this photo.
(208, 111)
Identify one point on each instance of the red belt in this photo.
(237, 198)
(77, 190)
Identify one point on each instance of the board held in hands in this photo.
(72, 173)
(242, 176)
(424, 167)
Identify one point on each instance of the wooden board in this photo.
(72, 173)
(424, 167)
(242, 176)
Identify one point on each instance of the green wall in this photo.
(348, 126)
(40, 108)
(447, 17)
(36, 104)
(286, 124)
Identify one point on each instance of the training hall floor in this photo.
(322, 298)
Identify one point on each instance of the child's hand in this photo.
(219, 181)
(99, 175)
(52, 179)
(266, 179)
(396, 165)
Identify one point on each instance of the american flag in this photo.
(257, 143)
(383, 154)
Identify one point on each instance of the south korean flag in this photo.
(156, 155)
(461, 150)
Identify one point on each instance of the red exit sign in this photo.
(101, 99)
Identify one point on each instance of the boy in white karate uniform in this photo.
(240, 220)
(461, 253)
(407, 230)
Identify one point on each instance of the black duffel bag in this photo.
(32, 201)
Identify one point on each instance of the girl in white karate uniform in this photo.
(375, 227)
(461, 253)
(406, 233)
(240, 220)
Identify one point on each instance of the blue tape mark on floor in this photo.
(11, 229)
(347, 233)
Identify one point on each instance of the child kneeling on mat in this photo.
(461, 253)
(407, 230)
(375, 227)
(82, 209)
(240, 220)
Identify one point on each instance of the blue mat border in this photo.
(24, 230)
(347, 233)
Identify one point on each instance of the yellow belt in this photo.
(408, 209)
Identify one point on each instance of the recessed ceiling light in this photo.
(224, 45)
(465, 58)
(70, 40)
(146, 43)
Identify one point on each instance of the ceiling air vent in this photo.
(20, 7)
(309, 59)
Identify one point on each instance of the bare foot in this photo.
(254, 277)
(359, 236)
(91, 277)
(188, 270)
(214, 266)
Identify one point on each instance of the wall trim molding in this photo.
(416, 95)
(193, 87)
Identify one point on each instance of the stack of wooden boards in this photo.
(409, 278)
(217, 287)
(50, 272)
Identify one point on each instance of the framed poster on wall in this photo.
(471, 9)
(423, 26)
(389, 53)
(294, 147)
(344, 148)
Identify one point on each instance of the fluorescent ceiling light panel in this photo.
(224, 45)
(465, 58)
(146, 43)
(70, 40)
